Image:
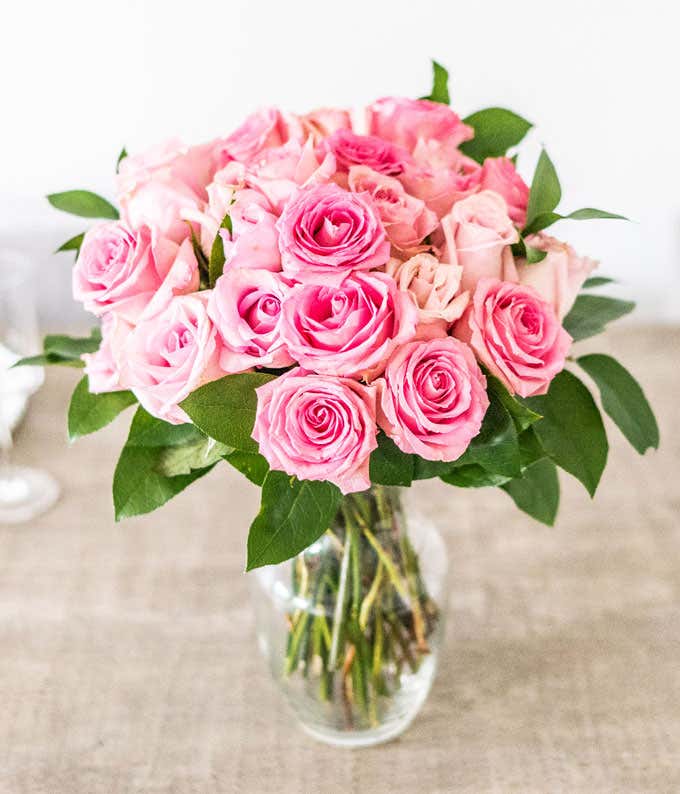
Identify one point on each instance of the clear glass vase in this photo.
(352, 626)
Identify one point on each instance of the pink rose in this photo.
(254, 241)
(500, 174)
(434, 285)
(245, 307)
(349, 329)
(433, 398)
(170, 355)
(515, 334)
(317, 428)
(326, 233)
(367, 150)
(323, 122)
(559, 276)
(441, 186)
(103, 367)
(477, 235)
(406, 121)
(121, 269)
(157, 186)
(263, 129)
(406, 219)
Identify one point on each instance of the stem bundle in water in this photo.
(369, 614)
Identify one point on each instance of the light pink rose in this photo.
(432, 398)
(441, 186)
(121, 269)
(500, 174)
(156, 187)
(245, 307)
(254, 241)
(317, 428)
(559, 276)
(323, 122)
(434, 285)
(326, 233)
(103, 367)
(170, 355)
(515, 334)
(261, 130)
(350, 329)
(477, 235)
(366, 150)
(406, 219)
(406, 121)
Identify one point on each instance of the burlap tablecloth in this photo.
(128, 660)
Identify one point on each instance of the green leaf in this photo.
(596, 281)
(72, 245)
(530, 448)
(185, 458)
(216, 261)
(83, 203)
(426, 469)
(123, 154)
(138, 486)
(440, 85)
(545, 193)
(535, 255)
(496, 130)
(522, 416)
(225, 409)
(473, 476)
(571, 430)
(89, 412)
(537, 491)
(495, 447)
(293, 514)
(545, 219)
(251, 464)
(64, 350)
(389, 465)
(590, 314)
(623, 400)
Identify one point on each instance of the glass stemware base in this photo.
(25, 493)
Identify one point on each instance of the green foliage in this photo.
(389, 465)
(123, 154)
(591, 313)
(90, 412)
(293, 514)
(72, 245)
(138, 484)
(83, 203)
(251, 464)
(473, 476)
(623, 400)
(216, 261)
(537, 491)
(571, 430)
(225, 409)
(63, 350)
(545, 219)
(596, 281)
(496, 130)
(440, 85)
(195, 454)
(545, 193)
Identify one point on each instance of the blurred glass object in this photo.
(24, 492)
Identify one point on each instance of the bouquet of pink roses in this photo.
(337, 302)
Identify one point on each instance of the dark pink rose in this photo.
(350, 329)
(515, 334)
(326, 233)
(317, 428)
(432, 398)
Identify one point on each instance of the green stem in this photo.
(339, 606)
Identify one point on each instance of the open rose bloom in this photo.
(352, 297)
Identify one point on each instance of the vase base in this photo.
(356, 739)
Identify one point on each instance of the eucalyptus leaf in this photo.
(623, 400)
(571, 430)
(590, 314)
(293, 514)
(496, 131)
(225, 409)
(89, 412)
(537, 491)
(83, 203)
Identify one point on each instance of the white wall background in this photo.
(80, 79)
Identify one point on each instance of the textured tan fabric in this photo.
(128, 661)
